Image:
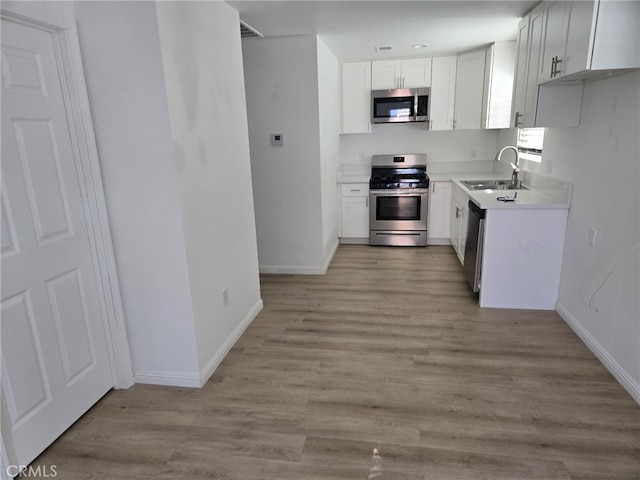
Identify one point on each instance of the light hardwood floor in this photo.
(388, 350)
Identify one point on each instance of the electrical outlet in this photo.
(225, 296)
(592, 237)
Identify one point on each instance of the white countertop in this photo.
(543, 192)
(354, 178)
(488, 199)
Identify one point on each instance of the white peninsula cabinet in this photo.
(354, 213)
(356, 97)
(522, 257)
(523, 242)
(439, 228)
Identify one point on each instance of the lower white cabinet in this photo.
(459, 216)
(439, 228)
(522, 257)
(354, 213)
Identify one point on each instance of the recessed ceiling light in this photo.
(420, 45)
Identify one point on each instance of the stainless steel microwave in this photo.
(400, 105)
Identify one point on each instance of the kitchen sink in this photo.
(491, 185)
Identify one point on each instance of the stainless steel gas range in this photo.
(399, 200)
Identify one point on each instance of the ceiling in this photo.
(353, 29)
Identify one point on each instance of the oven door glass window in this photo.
(402, 207)
(393, 107)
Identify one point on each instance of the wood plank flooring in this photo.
(388, 350)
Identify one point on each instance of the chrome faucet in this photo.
(515, 166)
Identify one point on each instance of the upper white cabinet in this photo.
(356, 97)
(416, 72)
(401, 73)
(525, 83)
(443, 90)
(469, 90)
(473, 90)
(499, 71)
(540, 105)
(589, 39)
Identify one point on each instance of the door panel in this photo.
(55, 361)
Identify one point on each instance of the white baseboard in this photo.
(439, 241)
(216, 360)
(169, 379)
(301, 270)
(354, 241)
(630, 384)
(179, 379)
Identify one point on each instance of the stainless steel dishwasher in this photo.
(473, 246)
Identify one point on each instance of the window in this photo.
(530, 142)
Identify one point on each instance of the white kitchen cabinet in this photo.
(589, 39)
(470, 75)
(439, 228)
(459, 217)
(555, 25)
(498, 85)
(354, 213)
(443, 89)
(401, 73)
(522, 257)
(540, 105)
(356, 97)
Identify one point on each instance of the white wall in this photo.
(600, 286)
(329, 92)
(447, 146)
(281, 79)
(181, 213)
(123, 68)
(202, 59)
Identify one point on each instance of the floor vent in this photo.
(248, 32)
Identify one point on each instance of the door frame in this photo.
(67, 51)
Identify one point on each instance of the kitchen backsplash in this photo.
(440, 146)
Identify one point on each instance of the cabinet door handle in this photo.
(554, 66)
(355, 189)
(433, 188)
(457, 212)
(367, 202)
(517, 119)
(557, 71)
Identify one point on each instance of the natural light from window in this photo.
(530, 142)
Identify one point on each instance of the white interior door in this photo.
(55, 361)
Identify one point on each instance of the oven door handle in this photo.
(396, 193)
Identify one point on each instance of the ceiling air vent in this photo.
(247, 32)
(384, 48)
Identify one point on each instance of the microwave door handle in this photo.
(415, 106)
